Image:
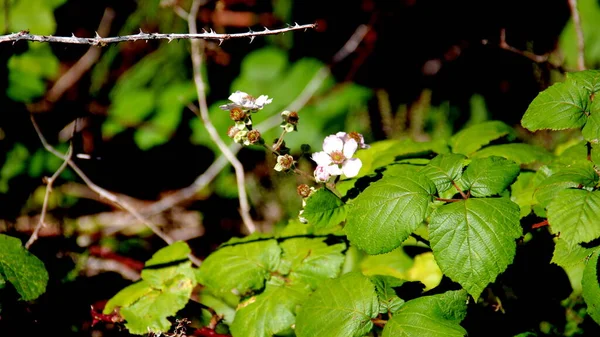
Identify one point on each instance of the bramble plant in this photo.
(394, 237)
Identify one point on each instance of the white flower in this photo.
(244, 101)
(356, 136)
(321, 174)
(336, 158)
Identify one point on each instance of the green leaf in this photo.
(22, 269)
(489, 176)
(127, 296)
(324, 209)
(591, 287)
(240, 269)
(444, 169)
(522, 192)
(591, 130)
(273, 312)
(473, 138)
(561, 106)
(395, 263)
(341, 307)
(150, 312)
(567, 255)
(389, 302)
(436, 315)
(562, 177)
(163, 265)
(588, 79)
(520, 153)
(474, 240)
(41, 21)
(15, 164)
(575, 214)
(310, 261)
(388, 211)
(28, 73)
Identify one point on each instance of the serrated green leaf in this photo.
(324, 209)
(489, 176)
(341, 307)
(444, 169)
(522, 192)
(394, 263)
(567, 255)
(575, 214)
(591, 130)
(273, 312)
(310, 261)
(520, 153)
(389, 302)
(561, 177)
(437, 315)
(240, 269)
(561, 106)
(150, 312)
(474, 137)
(474, 240)
(383, 153)
(167, 263)
(388, 211)
(588, 79)
(22, 269)
(591, 287)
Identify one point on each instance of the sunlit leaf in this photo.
(388, 211)
(444, 170)
(521, 153)
(474, 137)
(475, 240)
(22, 269)
(489, 176)
(566, 254)
(575, 214)
(430, 316)
(324, 209)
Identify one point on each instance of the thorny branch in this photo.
(272, 122)
(24, 35)
(197, 59)
(104, 193)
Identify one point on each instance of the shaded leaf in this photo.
(389, 302)
(591, 287)
(474, 240)
(561, 177)
(520, 153)
(388, 211)
(567, 255)
(324, 209)
(575, 214)
(474, 137)
(444, 169)
(340, 307)
(522, 192)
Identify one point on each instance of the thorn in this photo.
(204, 31)
(250, 31)
(212, 31)
(98, 36)
(266, 29)
(297, 25)
(251, 38)
(73, 35)
(141, 32)
(221, 41)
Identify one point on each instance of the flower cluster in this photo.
(336, 157)
(240, 109)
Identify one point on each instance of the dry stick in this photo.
(579, 31)
(49, 182)
(104, 193)
(197, 55)
(104, 41)
(209, 175)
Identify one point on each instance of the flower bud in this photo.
(284, 162)
(237, 114)
(304, 190)
(253, 136)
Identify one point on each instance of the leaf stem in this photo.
(462, 194)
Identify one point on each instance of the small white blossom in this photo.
(321, 174)
(244, 101)
(336, 158)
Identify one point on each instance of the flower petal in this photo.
(263, 100)
(332, 144)
(321, 158)
(350, 147)
(321, 174)
(238, 97)
(351, 167)
(334, 170)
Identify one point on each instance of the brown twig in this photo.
(579, 32)
(197, 59)
(105, 193)
(540, 224)
(49, 183)
(462, 194)
(104, 41)
(534, 57)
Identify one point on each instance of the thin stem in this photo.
(540, 224)
(106, 194)
(49, 182)
(104, 41)
(279, 141)
(421, 239)
(197, 59)
(462, 194)
(449, 200)
(579, 32)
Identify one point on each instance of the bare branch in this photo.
(105, 193)
(49, 182)
(197, 55)
(579, 31)
(104, 41)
